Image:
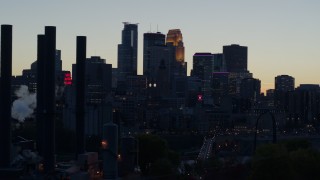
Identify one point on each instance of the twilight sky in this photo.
(283, 37)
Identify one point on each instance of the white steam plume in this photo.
(24, 106)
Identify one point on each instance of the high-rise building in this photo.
(174, 36)
(250, 88)
(235, 79)
(128, 50)
(157, 54)
(98, 82)
(58, 61)
(220, 86)
(29, 76)
(202, 65)
(236, 58)
(98, 79)
(218, 63)
(152, 42)
(284, 83)
(202, 68)
(303, 105)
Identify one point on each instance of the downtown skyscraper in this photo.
(174, 36)
(128, 50)
(236, 58)
(153, 43)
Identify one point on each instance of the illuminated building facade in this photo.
(174, 36)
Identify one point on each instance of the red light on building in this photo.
(200, 97)
(67, 79)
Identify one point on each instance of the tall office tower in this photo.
(156, 54)
(250, 89)
(128, 50)
(150, 40)
(202, 65)
(235, 79)
(303, 105)
(203, 68)
(284, 83)
(174, 36)
(236, 58)
(220, 86)
(58, 61)
(98, 82)
(218, 63)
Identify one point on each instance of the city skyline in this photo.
(281, 36)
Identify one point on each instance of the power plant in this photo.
(46, 112)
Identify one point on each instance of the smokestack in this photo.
(5, 95)
(80, 93)
(41, 56)
(49, 89)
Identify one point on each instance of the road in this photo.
(206, 149)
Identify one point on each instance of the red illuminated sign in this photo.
(67, 79)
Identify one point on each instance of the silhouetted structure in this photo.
(284, 83)
(5, 96)
(80, 93)
(149, 41)
(46, 93)
(236, 58)
(220, 86)
(50, 104)
(274, 129)
(202, 65)
(250, 89)
(98, 79)
(110, 150)
(128, 50)
(41, 95)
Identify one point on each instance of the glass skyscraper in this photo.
(128, 50)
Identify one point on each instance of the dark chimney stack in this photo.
(46, 104)
(80, 94)
(5, 95)
(50, 104)
(41, 69)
